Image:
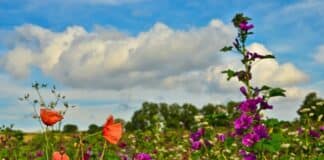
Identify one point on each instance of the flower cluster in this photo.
(195, 139)
(142, 156)
(248, 126)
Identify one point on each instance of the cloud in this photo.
(270, 72)
(111, 58)
(319, 54)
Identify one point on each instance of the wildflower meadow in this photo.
(161, 131)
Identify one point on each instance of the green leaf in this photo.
(226, 48)
(274, 92)
(263, 88)
(230, 73)
(268, 56)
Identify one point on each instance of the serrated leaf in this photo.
(265, 87)
(226, 48)
(268, 56)
(274, 92)
(230, 73)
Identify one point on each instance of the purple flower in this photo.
(142, 156)
(196, 145)
(39, 153)
(250, 139)
(201, 131)
(243, 91)
(265, 105)
(243, 122)
(250, 105)
(87, 154)
(196, 136)
(247, 155)
(261, 130)
(321, 128)
(245, 26)
(221, 137)
(314, 134)
(122, 145)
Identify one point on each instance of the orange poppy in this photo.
(111, 131)
(49, 117)
(59, 156)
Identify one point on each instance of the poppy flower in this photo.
(49, 117)
(111, 131)
(59, 156)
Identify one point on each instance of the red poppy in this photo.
(111, 131)
(60, 156)
(49, 117)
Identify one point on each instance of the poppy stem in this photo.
(46, 139)
(38, 118)
(103, 151)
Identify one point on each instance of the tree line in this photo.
(176, 116)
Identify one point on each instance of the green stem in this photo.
(103, 151)
(46, 139)
(39, 120)
(42, 102)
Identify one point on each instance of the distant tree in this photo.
(187, 115)
(93, 128)
(312, 108)
(216, 115)
(70, 128)
(172, 115)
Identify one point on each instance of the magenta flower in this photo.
(197, 135)
(39, 153)
(250, 139)
(243, 91)
(247, 155)
(122, 145)
(243, 122)
(142, 156)
(314, 134)
(245, 26)
(266, 105)
(250, 105)
(261, 130)
(221, 137)
(87, 154)
(321, 128)
(196, 145)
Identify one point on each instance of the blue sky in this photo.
(157, 34)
